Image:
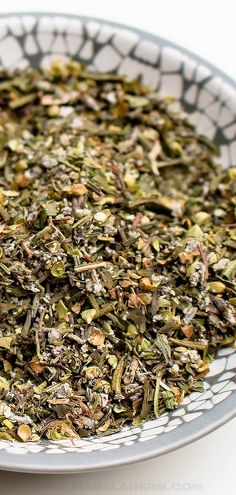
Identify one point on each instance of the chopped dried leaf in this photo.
(117, 376)
(5, 342)
(117, 254)
(157, 396)
(162, 343)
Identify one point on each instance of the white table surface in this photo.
(207, 466)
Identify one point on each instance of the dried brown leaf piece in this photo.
(187, 331)
(96, 338)
(76, 189)
(24, 432)
(36, 367)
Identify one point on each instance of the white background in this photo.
(206, 467)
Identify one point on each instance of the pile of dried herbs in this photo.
(117, 254)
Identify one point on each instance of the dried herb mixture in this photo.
(117, 254)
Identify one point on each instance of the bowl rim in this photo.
(211, 420)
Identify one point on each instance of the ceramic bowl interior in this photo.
(210, 97)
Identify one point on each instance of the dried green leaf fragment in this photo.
(169, 399)
(5, 342)
(22, 101)
(62, 310)
(157, 396)
(163, 345)
(230, 270)
(88, 315)
(188, 343)
(58, 269)
(117, 376)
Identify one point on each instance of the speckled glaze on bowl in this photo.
(210, 97)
